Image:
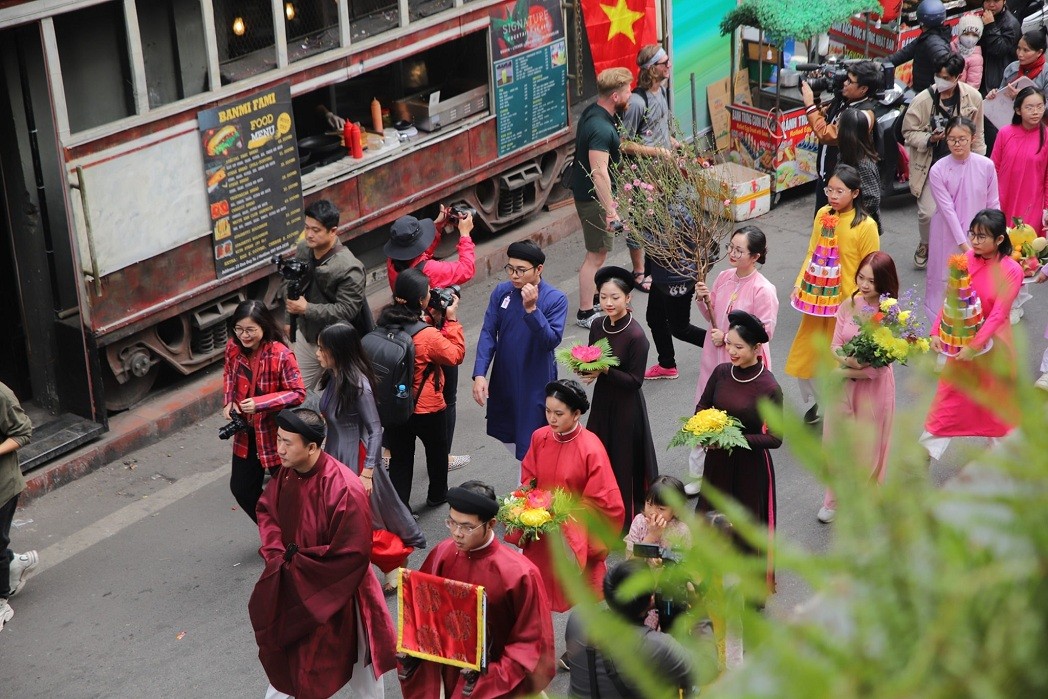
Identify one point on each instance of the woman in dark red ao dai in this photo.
(738, 387)
(619, 416)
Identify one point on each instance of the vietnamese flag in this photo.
(617, 29)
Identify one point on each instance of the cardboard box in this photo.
(748, 192)
(432, 110)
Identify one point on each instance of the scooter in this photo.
(894, 164)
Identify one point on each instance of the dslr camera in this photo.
(459, 212)
(296, 274)
(236, 423)
(440, 299)
(830, 77)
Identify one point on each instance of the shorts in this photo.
(594, 231)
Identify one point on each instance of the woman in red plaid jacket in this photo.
(260, 379)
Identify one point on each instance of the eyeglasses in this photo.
(839, 192)
(959, 140)
(976, 237)
(452, 525)
(664, 62)
(517, 271)
(849, 80)
(246, 332)
(1033, 107)
(739, 251)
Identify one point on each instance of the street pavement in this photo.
(147, 564)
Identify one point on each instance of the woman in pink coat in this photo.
(1021, 157)
(868, 395)
(976, 392)
(740, 288)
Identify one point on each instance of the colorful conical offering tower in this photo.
(962, 314)
(820, 292)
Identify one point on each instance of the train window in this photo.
(420, 9)
(372, 17)
(96, 69)
(311, 27)
(173, 49)
(245, 36)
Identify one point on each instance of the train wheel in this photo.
(121, 396)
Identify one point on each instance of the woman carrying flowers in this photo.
(566, 455)
(856, 237)
(868, 396)
(976, 392)
(737, 388)
(619, 416)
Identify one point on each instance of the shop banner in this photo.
(781, 144)
(530, 71)
(254, 189)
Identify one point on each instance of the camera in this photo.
(440, 299)
(236, 423)
(296, 274)
(655, 551)
(830, 76)
(939, 122)
(459, 212)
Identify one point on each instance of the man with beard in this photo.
(596, 147)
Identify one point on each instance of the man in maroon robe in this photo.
(519, 628)
(318, 609)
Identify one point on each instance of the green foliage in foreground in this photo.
(924, 592)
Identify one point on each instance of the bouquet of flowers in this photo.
(586, 358)
(534, 511)
(710, 428)
(891, 334)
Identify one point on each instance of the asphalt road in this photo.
(147, 564)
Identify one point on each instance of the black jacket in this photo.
(998, 43)
(926, 51)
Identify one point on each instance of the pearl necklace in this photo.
(604, 324)
(747, 380)
(577, 429)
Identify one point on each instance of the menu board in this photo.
(253, 185)
(530, 71)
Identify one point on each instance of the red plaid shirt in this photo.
(278, 386)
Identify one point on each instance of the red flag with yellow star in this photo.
(617, 30)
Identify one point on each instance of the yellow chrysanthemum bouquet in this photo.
(712, 429)
(534, 511)
(891, 334)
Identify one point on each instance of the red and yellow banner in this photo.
(617, 29)
(440, 619)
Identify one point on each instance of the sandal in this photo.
(920, 257)
(643, 282)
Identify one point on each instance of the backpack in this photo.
(392, 353)
(643, 115)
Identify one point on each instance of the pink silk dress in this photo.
(1022, 173)
(753, 294)
(868, 402)
(977, 398)
(961, 189)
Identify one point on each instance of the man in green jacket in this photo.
(15, 431)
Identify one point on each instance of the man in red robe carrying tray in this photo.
(519, 629)
(318, 612)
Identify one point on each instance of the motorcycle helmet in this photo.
(931, 13)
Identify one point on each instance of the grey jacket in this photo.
(917, 131)
(336, 291)
(14, 424)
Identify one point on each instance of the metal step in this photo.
(59, 435)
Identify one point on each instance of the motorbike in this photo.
(894, 163)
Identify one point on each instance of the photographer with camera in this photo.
(259, 379)
(332, 290)
(924, 131)
(861, 82)
(412, 243)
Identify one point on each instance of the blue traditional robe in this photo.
(521, 345)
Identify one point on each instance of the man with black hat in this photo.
(522, 327)
(335, 291)
(520, 646)
(317, 604)
(411, 244)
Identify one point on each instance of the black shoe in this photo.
(435, 503)
(812, 417)
(562, 662)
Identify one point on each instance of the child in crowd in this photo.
(966, 43)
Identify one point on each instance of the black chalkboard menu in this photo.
(253, 185)
(530, 71)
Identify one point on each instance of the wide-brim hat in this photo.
(409, 237)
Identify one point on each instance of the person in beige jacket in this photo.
(923, 129)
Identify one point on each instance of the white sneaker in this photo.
(6, 613)
(692, 489)
(1042, 382)
(22, 567)
(456, 462)
(588, 320)
(827, 515)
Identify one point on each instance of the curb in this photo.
(201, 397)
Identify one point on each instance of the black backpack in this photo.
(392, 353)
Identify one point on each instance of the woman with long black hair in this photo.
(855, 141)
